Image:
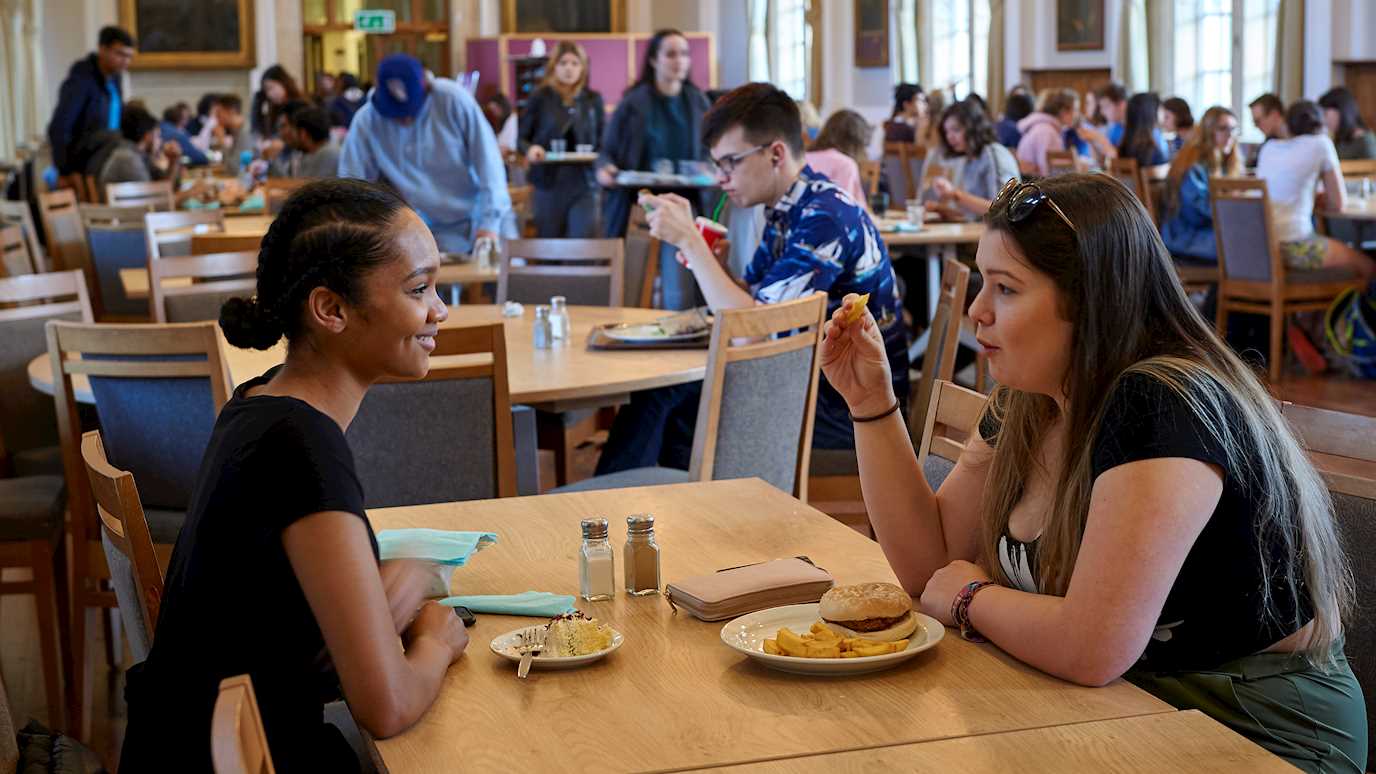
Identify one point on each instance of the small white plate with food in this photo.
(571, 640)
(818, 638)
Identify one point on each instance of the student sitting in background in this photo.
(1177, 123)
(838, 151)
(1343, 117)
(137, 154)
(908, 122)
(1111, 100)
(974, 166)
(308, 134)
(1015, 108)
(1043, 131)
(1268, 113)
(1187, 226)
(1141, 136)
(173, 126)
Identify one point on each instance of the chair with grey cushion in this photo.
(66, 238)
(1253, 276)
(758, 402)
(17, 214)
(157, 390)
(445, 437)
(152, 194)
(116, 239)
(169, 233)
(1343, 447)
(951, 418)
(192, 288)
(14, 252)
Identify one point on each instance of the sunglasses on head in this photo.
(1019, 200)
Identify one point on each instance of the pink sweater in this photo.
(841, 170)
(1040, 133)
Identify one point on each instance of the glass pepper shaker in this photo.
(559, 318)
(543, 332)
(641, 555)
(596, 564)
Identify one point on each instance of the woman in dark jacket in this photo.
(659, 117)
(563, 108)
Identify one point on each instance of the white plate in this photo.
(643, 333)
(504, 645)
(748, 633)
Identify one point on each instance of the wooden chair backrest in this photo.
(1126, 171)
(1338, 434)
(230, 268)
(277, 189)
(124, 524)
(90, 190)
(238, 743)
(869, 177)
(67, 340)
(37, 295)
(565, 258)
(951, 417)
(67, 247)
(637, 234)
(206, 244)
(17, 214)
(9, 735)
(1246, 189)
(1059, 162)
(155, 193)
(1358, 167)
(14, 252)
(906, 153)
(474, 352)
(165, 227)
(746, 334)
(941, 344)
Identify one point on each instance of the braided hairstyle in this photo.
(330, 233)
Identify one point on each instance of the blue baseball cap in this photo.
(400, 88)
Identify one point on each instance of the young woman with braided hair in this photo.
(276, 572)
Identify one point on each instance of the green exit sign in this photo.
(383, 22)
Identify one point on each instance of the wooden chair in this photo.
(170, 233)
(834, 476)
(1060, 162)
(17, 214)
(277, 189)
(169, 382)
(31, 524)
(869, 177)
(902, 162)
(641, 260)
(1343, 448)
(521, 197)
(116, 240)
(9, 735)
(1125, 171)
(14, 252)
(90, 190)
(468, 450)
(1253, 276)
(238, 743)
(231, 274)
(129, 551)
(67, 247)
(587, 272)
(207, 244)
(156, 194)
(951, 419)
(759, 422)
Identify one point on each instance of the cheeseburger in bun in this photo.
(875, 611)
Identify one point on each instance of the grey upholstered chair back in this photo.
(67, 247)
(214, 279)
(425, 442)
(127, 595)
(18, 214)
(763, 403)
(115, 246)
(587, 272)
(1356, 517)
(899, 177)
(1244, 241)
(169, 233)
(205, 306)
(14, 252)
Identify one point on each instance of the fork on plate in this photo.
(532, 642)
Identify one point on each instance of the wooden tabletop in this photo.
(935, 234)
(674, 696)
(134, 280)
(570, 373)
(1356, 209)
(1187, 742)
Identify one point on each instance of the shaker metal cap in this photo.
(594, 529)
(640, 522)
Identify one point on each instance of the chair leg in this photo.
(1277, 344)
(80, 674)
(1221, 318)
(46, 599)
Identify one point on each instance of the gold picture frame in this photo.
(1079, 25)
(871, 33)
(169, 56)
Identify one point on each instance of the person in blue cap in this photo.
(429, 140)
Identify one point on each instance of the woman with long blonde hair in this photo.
(1131, 502)
(1188, 218)
(564, 199)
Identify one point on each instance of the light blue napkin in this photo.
(903, 227)
(445, 546)
(530, 603)
(254, 203)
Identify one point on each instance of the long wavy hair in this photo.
(568, 94)
(1202, 149)
(846, 131)
(1130, 316)
(1140, 123)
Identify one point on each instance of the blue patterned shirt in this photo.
(818, 238)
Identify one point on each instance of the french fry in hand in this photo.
(857, 309)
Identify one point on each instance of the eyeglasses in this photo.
(726, 165)
(1020, 199)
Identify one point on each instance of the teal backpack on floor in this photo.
(1351, 328)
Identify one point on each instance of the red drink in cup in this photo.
(710, 230)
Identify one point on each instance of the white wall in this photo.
(1038, 38)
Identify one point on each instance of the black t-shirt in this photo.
(232, 604)
(1214, 612)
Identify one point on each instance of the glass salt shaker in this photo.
(596, 564)
(641, 556)
(559, 318)
(543, 333)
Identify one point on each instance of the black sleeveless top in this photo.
(232, 604)
(1214, 611)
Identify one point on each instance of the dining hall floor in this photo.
(22, 669)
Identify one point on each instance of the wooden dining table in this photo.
(675, 697)
(563, 378)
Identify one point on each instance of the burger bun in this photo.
(866, 605)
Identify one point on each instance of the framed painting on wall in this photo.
(1079, 25)
(871, 33)
(174, 34)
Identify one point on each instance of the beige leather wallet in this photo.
(741, 590)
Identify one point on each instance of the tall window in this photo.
(1225, 54)
(905, 61)
(780, 45)
(960, 46)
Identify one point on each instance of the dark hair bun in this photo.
(247, 325)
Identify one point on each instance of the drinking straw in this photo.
(717, 212)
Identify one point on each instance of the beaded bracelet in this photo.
(960, 610)
(877, 417)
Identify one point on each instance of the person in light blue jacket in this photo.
(1187, 225)
(428, 139)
